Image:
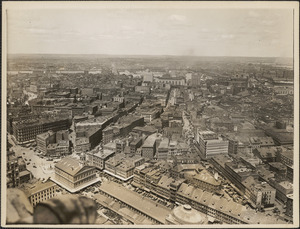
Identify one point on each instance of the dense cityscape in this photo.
(153, 140)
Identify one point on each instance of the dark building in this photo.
(16, 171)
(26, 131)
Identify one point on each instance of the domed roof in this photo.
(186, 215)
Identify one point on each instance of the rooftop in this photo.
(97, 120)
(145, 129)
(81, 141)
(277, 165)
(144, 205)
(165, 182)
(45, 135)
(164, 143)
(69, 165)
(208, 135)
(219, 203)
(39, 186)
(110, 145)
(105, 153)
(254, 185)
(286, 184)
(150, 141)
(204, 175)
(185, 214)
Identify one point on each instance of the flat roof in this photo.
(31, 189)
(105, 153)
(45, 134)
(144, 205)
(164, 143)
(150, 141)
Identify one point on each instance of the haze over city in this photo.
(191, 32)
(180, 113)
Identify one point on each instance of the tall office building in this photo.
(210, 144)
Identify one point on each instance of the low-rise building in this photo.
(16, 171)
(135, 144)
(99, 158)
(205, 181)
(289, 205)
(256, 142)
(145, 130)
(39, 191)
(284, 90)
(260, 193)
(54, 144)
(74, 175)
(279, 169)
(281, 136)
(215, 206)
(61, 148)
(82, 144)
(283, 189)
(122, 166)
(110, 146)
(150, 115)
(286, 157)
(171, 80)
(266, 154)
(185, 170)
(27, 130)
(44, 139)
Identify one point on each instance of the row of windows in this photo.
(44, 192)
(213, 212)
(83, 181)
(48, 195)
(78, 177)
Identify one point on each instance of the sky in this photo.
(196, 32)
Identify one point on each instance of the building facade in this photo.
(210, 144)
(99, 159)
(171, 80)
(27, 131)
(44, 139)
(39, 192)
(73, 175)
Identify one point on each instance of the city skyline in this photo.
(174, 32)
(150, 113)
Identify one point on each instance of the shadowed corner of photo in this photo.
(67, 209)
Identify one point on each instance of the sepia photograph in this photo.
(165, 114)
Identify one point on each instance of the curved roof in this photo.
(186, 215)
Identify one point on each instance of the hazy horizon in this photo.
(153, 32)
(150, 55)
